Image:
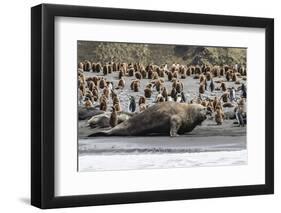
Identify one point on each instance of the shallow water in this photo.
(160, 161)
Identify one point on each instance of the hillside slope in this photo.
(158, 53)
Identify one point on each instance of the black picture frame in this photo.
(43, 117)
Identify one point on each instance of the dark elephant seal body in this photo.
(166, 118)
(86, 113)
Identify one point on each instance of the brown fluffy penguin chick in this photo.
(114, 67)
(121, 83)
(87, 66)
(91, 85)
(103, 105)
(174, 94)
(224, 97)
(115, 100)
(220, 71)
(142, 107)
(95, 80)
(179, 87)
(98, 67)
(198, 69)
(182, 70)
(80, 65)
(110, 68)
(174, 82)
(161, 73)
(131, 72)
(215, 103)
(142, 100)
(208, 76)
(88, 103)
(201, 88)
(147, 92)
(155, 75)
(234, 77)
(160, 98)
(102, 83)
(228, 75)
(204, 103)
(138, 75)
(175, 74)
(117, 107)
(149, 73)
(106, 92)
(113, 120)
(223, 87)
(135, 85)
(158, 85)
(188, 71)
(105, 69)
(215, 71)
(219, 116)
(121, 74)
(170, 76)
(164, 93)
(143, 73)
(201, 78)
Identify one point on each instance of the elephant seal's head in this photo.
(202, 113)
(198, 113)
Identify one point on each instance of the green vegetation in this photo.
(158, 53)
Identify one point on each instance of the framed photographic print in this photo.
(139, 106)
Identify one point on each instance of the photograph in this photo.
(133, 105)
(160, 106)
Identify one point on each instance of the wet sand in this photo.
(206, 137)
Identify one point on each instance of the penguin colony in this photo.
(100, 87)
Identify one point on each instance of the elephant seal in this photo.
(166, 118)
(86, 113)
(103, 120)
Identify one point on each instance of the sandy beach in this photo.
(207, 145)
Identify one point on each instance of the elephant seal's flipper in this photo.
(103, 133)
